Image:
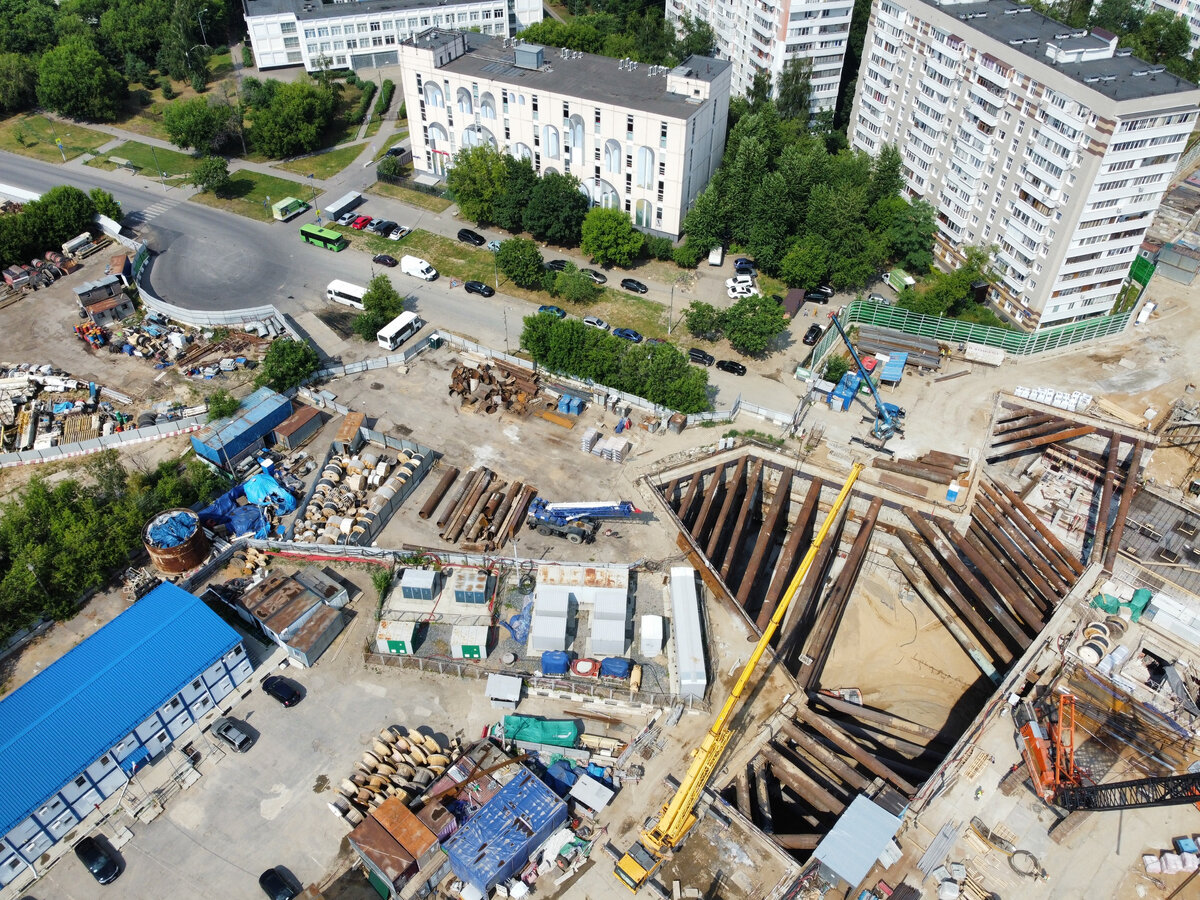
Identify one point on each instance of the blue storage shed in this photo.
(226, 442)
(498, 840)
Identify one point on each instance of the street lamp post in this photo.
(506, 329)
(200, 19)
(671, 311)
(162, 176)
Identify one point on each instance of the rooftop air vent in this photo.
(1124, 51)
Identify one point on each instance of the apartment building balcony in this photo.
(973, 166)
(997, 81)
(933, 126)
(940, 102)
(1030, 208)
(951, 70)
(1009, 261)
(1044, 175)
(967, 185)
(889, 56)
(1015, 229)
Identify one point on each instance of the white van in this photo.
(716, 255)
(418, 268)
(397, 331)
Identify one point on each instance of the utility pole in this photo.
(162, 176)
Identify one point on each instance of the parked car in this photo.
(281, 690)
(632, 284)
(383, 259)
(557, 311)
(741, 290)
(494, 246)
(697, 355)
(728, 365)
(628, 334)
(347, 218)
(816, 297)
(556, 265)
(596, 322)
(595, 276)
(395, 151)
(398, 232)
(826, 290)
(467, 236)
(739, 281)
(374, 226)
(275, 886)
(98, 859)
(744, 261)
(228, 732)
(384, 227)
(478, 287)
(360, 223)
(650, 342)
(880, 299)
(812, 335)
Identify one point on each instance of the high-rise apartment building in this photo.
(1189, 10)
(643, 139)
(759, 35)
(1045, 142)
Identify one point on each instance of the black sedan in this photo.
(383, 259)
(275, 886)
(556, 265)
(597, 277)
(478, 287)
(728, 365)
(632, 284)
(474, 238)
(281, 690)
(812, 335)
(99, 861)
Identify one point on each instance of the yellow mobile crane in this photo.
(678, 814)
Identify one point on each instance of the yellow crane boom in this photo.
(678, 814)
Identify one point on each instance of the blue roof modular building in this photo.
(72, 735)
(226, 442)
(499, 839)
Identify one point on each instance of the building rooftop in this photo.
(600, 79)
(56, 725)
(1033, 34)
(314, 9)
(260, 405)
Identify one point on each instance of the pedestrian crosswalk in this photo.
(142, 216)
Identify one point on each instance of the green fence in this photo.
(953, 331)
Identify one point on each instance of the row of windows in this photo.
(446, 19)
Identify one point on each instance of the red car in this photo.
(360, 223)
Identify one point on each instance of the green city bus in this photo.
(322, 237)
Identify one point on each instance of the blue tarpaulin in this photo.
(64, 407)
(248, 519)
(560, 776)
(555, 662)
(173, 531)
(263, 490)
(616, 667)
(518, 625)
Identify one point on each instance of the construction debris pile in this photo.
(935, 466)
(488, 387)
(240, 350)
(39, 273)
(486, 512)
(30, 420)
(350, 500)
(400, 763)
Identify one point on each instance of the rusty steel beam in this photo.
(1008, 521)
(1014, 412)
(825, 757)
(1070, 433)
(668, 492)
(984, 533)
(766, 820)
(1100, 535)
(819, 640)
(468, 482)
(949, 618)
(1059, 547)
(1057, 570)
(687, 506)
(800, 783)
(992, 522)
(742, 789)
(1048, 426)
(980, 591)
(797, 841)
(1023, 421)
(1127, 492)
(745, 514)
(1011, 581)
(1001, 583)
(801, 531)
(996, 647)
(764, 542)
(880, 717)
(439, 492)
(804, 606)
(733, 489)
(869, 732)
(834, 734)
(699, 528)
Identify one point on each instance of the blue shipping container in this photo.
(226, 441)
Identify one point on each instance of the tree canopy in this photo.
(609, 238)
(520, 260)
(750, 324)
(556, 209)
(75, 80)
(57, 216)
(381, 303)
(287, 364)
(293, 121)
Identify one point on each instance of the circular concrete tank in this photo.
(175, 541)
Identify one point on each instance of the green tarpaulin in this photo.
(559, 732)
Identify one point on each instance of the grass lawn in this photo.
(326, 164)
(341, 130)
(413, 198)
(31, 135)
(144, 157)
(397, 138)
(251, 194)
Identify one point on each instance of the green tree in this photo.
(476, 179)
(76, 81)
(807, 263)
(18, 82)
(27, 26)
(105, 203)
(1161, 36)
(287, 364)
(381, 303)
(887, 179)
(703, 320)
(132, 28)
(793, 89)
(759, 94)
(910, 237)
(704, 223)
(195, 123)
(1118, 16)
(696, 38)
(571, 284)
(556, 210)
(211, 174)
(222, 405)
(835, 368)
(752, 323)
(520, 260)
(609, 238)
(508, 209)
(294, 121)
